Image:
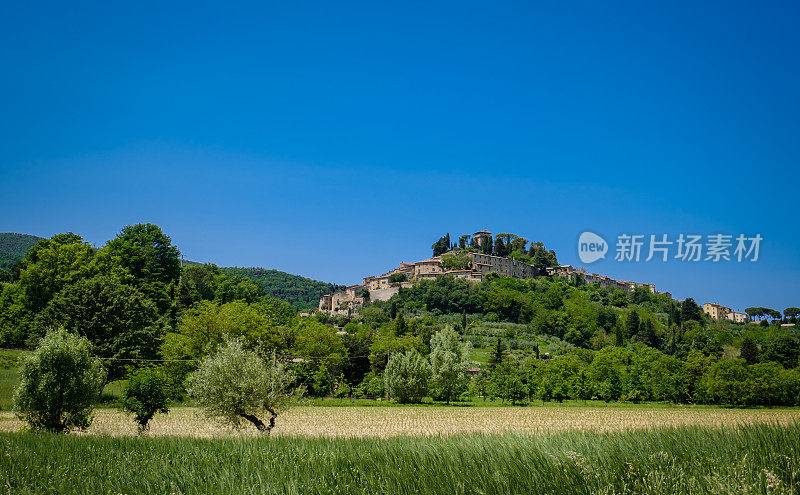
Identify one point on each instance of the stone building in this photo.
(716, 311)
(719, 312)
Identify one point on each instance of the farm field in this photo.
(757, 458)
(359, 421)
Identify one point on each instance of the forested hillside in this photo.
(300, 292)
(13, 247)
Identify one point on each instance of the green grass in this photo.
(9, 378)
(751, 459)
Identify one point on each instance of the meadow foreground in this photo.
(758, 458)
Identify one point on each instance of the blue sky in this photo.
(335, 139)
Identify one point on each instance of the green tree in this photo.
(749, 351)
(235, 384)
(583, 387)
(610, 389)
(407, 377)
(198, 283)
(498, 352)
(727, 382)
(619, 298)
(59, 383)
(400, 325)
(119, 321)
(632, 323)
(320, 343)
(647, 334)
(148, 254)
(145, 394)
(500, 247)
(640, 295)
(456, 262)
(487, 247)
(784, 349)
(449, 362)
(791, 313)
(442, 245)
(372, 385)
(53, 267)
(690, 310)
(323, 382)
(396, 278)
(236, 288)
(619, 336)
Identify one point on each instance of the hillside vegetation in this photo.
(14, 246)
(300, 292)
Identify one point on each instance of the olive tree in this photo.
(236, 384)
(407, 376)
(144, 395)
(60, 382)
(449, 363)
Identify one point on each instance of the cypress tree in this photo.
(497, 353)
(749, 351)
(632, 323)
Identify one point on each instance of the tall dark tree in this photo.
(690, 310)
(632, 323)
(487, 245)
(400, 325)
(647, 334)
(619, 336)
(442, 245)
(500, 248)
(498, 353)
(749, 350)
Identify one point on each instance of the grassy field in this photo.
(758, 458)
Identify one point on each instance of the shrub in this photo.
(60, 382)
(144, 395)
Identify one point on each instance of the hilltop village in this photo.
(474, 258)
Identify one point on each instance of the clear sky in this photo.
(334, 139)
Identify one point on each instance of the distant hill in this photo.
(14, 246)
(300, 292)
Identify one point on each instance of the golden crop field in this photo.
(356, 421)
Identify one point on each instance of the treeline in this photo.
(637, 373)
(505, 245)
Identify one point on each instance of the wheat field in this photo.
(383, 422)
